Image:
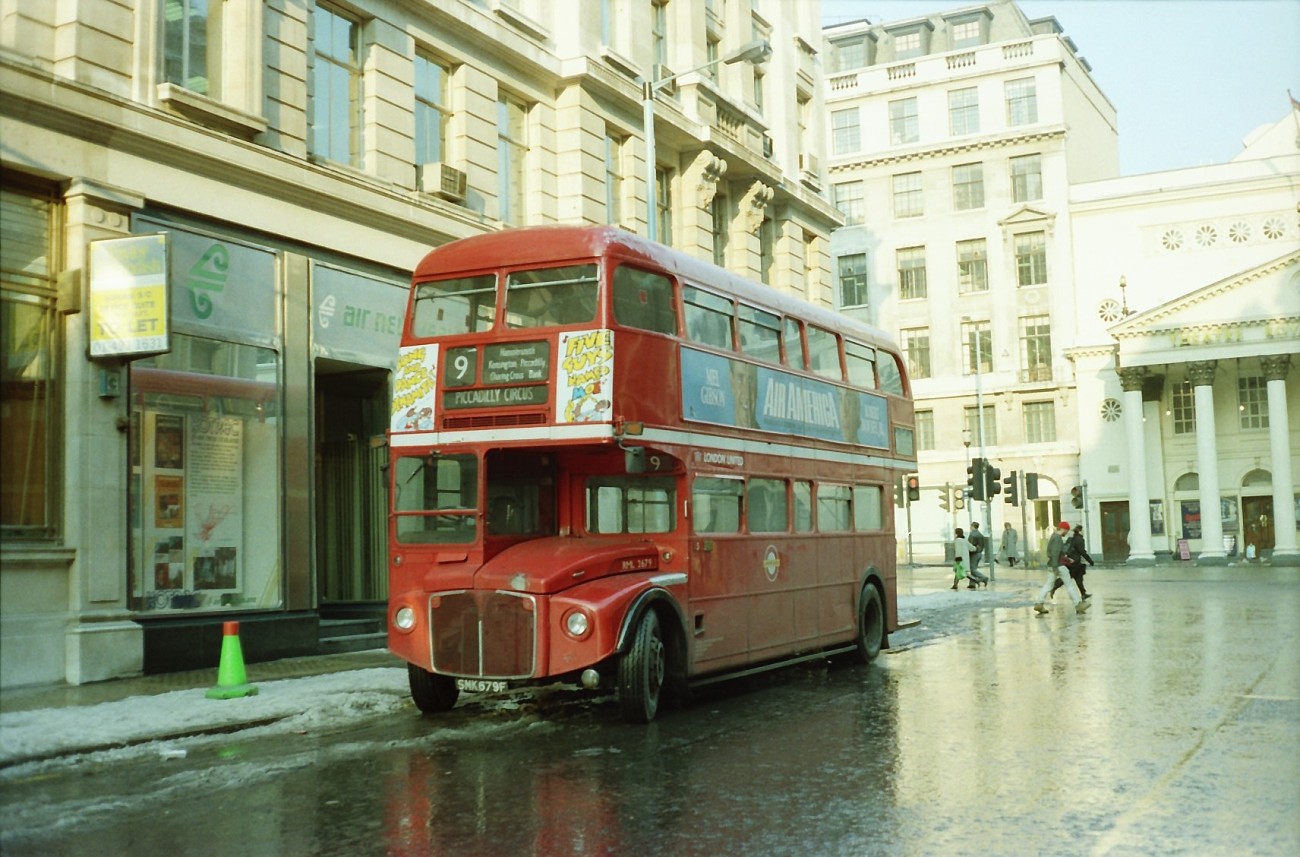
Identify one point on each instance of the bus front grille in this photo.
(483, 634)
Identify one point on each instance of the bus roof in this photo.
(556, 244)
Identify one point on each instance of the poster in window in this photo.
(1191, 519)
(169, 501)
(169, 563)
(1157, 518)
(215, 520)
(169, 442)
(1228, 512)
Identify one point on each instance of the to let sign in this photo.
(130, 314)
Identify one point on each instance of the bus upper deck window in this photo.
(462, 305)
(891, 378)
(708, 318)
(550, 297)
(760, 334)
(824, 353)
(794, 345)
(644, 300)
(861, 363)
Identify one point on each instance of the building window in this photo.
(1022, 102)
(1026, 178)
(850, 202)
(990, 426)
(712, 57)
(977, 340)
(853, 280)
(614, 147)
(908, 198)
(972, 266)
(964, 111)
(1252, 401)
(336, 87)
(659, 31)
(904, 121)
(968, 186)
(1040, 422)
(907, 45)
(664, 204)
(718, 211)
(758, 89)
(512, 150)
(29, 345)
(967, 34)
(1184, 407)
(849, 54)
(924, 430)
(911, 273)
(916, 351)
(192, 45)
(1031, 258)
(432, 110)
(1036, 347)
(846, 134)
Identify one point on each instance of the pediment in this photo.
(1026, 214)
(1253, 313)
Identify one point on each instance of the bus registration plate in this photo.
(478, 685)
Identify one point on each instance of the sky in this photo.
(1189, 78)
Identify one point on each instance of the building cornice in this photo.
(1056, 133)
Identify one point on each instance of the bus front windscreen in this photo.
(435, 498)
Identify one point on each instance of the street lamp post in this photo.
(754, 53)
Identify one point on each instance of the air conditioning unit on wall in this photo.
(443, 180)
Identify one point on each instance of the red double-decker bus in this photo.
(616, 465)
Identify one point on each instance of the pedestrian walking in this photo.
(1056, 570)
(963, 559)
(1010, 541)
(1077, 552)
(976, 539)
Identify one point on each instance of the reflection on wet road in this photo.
(1163, 721)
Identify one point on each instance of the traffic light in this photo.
(1031, 486)
(1012, 489)
(913, 488)
(898, 492)
(1076, 497)
(975, 479)
(945, 498)
(959, 499)
(992, 482)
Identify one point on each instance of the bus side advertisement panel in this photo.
(722, 391)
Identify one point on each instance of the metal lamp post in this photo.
(754, 53)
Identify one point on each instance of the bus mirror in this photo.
(634, 459)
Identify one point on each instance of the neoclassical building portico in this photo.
(1207, 385)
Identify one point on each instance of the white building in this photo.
(954, 139)
(1187, 294)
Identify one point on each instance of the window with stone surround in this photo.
(1183, 408)
(336, 98)
(1252, 402)
(967, 186)
(1040, 422)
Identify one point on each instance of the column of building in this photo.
(1279, 433)
(1207, 462)
(1139, 499)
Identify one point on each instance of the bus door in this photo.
(721, 581)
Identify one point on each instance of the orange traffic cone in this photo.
(232, 681)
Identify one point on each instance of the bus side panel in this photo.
(647, 377)
(838, 578)
(772, 630)
(718, 597)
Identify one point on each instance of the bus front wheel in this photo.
(641, 671)
(871, 624)
(432, 693)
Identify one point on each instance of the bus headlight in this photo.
(577, 624)
(404, 619)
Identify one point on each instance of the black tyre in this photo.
(432, 693)
(641, 671)
(871, 624)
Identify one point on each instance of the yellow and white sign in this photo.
(128, 297)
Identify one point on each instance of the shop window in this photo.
(205, 488)
(29, 344)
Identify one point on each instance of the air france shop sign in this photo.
(728, 392)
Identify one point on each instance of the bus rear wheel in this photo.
(641, 671)
(432, 693)
(871, 624)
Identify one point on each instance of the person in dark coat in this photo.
(1077, 551)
